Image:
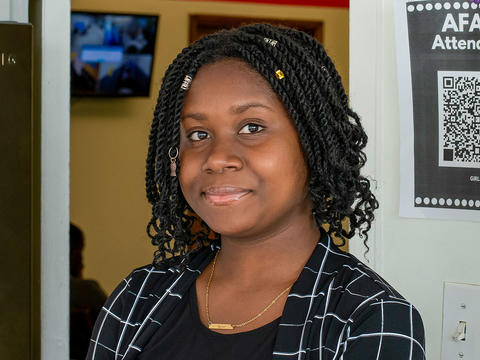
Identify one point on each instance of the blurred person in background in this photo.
(86, 298)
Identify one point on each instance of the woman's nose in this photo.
(223, 155)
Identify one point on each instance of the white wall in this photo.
(416, 256)
(4, 10)
(55, 148)
(14, 10)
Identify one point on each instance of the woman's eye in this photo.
(198, 135)
(251, 129)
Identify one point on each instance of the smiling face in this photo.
(242, 169)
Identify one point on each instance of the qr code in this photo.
(459, 118)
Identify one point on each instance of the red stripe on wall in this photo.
(331, 3)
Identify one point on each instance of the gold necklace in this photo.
(218, 326)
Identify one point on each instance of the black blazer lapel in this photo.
(303, 303)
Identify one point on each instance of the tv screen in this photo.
(112, 54)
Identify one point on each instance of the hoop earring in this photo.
(173, 163)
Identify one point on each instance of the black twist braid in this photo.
(330, 132)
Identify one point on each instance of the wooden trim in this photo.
(326, 3)
(201, 25)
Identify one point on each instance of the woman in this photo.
(253, 148)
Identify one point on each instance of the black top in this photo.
(188, 338)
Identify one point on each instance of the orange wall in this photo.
(109, 136)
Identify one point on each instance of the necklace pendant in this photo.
(220, 326)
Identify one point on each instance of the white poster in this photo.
(438, 63)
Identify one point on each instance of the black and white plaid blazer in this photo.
(337, 309)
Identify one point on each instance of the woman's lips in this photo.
(224, 195)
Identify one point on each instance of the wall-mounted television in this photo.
(112, 54)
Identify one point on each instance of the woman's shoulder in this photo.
(383, 321)
(138, 276)
(366, 291)
(356, 278)
(354, 289)
(134, 305)
(151, 280)
(372, 309)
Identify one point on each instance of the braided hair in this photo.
(330, 133)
